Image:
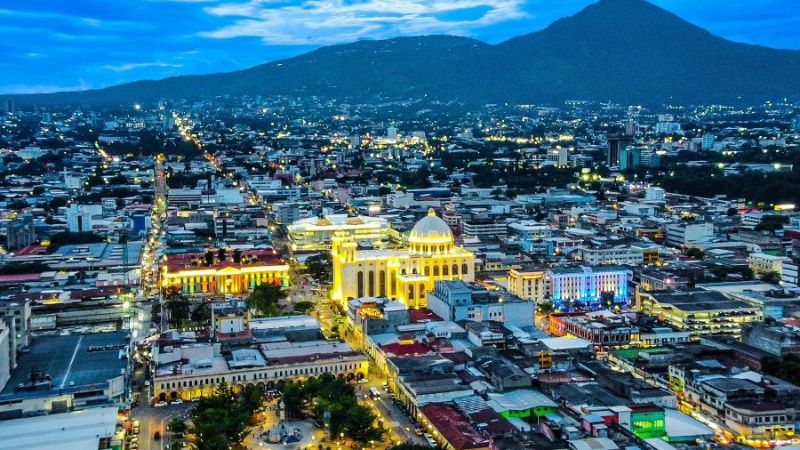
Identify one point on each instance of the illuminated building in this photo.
(315, 233)
(700, 313)
(528, 283)
(406, 274)
(235, 272)
(194, 371)
(591, 286)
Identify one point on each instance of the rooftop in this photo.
(72, 361)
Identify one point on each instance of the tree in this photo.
(178, 306)
(265, 298)
(409, 446)
(695, 253)
(201, 314)
(320, 266)
(303, 307)
(220, 421)
(771, 277)
(177, 425)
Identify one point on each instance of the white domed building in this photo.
(407, 274)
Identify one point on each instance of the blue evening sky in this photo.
(49, 45)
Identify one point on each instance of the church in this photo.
(406, 274)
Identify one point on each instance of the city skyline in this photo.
(97, 45)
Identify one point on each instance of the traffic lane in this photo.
(150, 420)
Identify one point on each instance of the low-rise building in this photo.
(700, 313)
(457, 300)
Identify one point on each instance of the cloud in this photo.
(44, 88)
(320, 22)
(133, 66)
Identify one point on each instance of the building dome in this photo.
(431, 230)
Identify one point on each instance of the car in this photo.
(133, 445)
(363, 381)
(177, 401)
(418, 431)
(160, 404)
(135, 430)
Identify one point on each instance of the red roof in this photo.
(31, 250)
(398, 349)
(258, 257)
(453, 426)
(20, 278)
(423, 315)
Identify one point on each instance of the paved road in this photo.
(153, 419)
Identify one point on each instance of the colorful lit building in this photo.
(405, 274)
(590, 286)
(223, 272)
(647, 420)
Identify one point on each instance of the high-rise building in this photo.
(9, 106)
(708, 141)
(615, 146)
(391, 133)
(20, 232)
(630, 158)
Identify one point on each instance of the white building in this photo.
(79, 217)
(315, 233)
(654, 194)
(620, 254)
(592, 286)
(528, 283)
(763, 263)
(682, 234)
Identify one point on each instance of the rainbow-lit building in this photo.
(405, 274)
(590, 286)
(234, 273)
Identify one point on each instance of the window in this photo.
(455, 269)
(371, 283)
(464, 269)
(360, 283)
(436, 271)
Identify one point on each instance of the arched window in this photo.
(360, 283)
(464, 269)
(455, 269)
(427, 271)
(382, 283)
(410, 291)
(436, 271)
(445, 270)
(371, 285)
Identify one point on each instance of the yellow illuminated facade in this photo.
(406, 274)
(226, 277)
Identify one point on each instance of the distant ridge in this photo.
(627, 51)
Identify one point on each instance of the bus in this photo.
(374, 393)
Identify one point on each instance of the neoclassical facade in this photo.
(406, 274)
(190, 272)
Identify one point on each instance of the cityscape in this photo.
(411, 242)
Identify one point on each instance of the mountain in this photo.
(622, 50)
